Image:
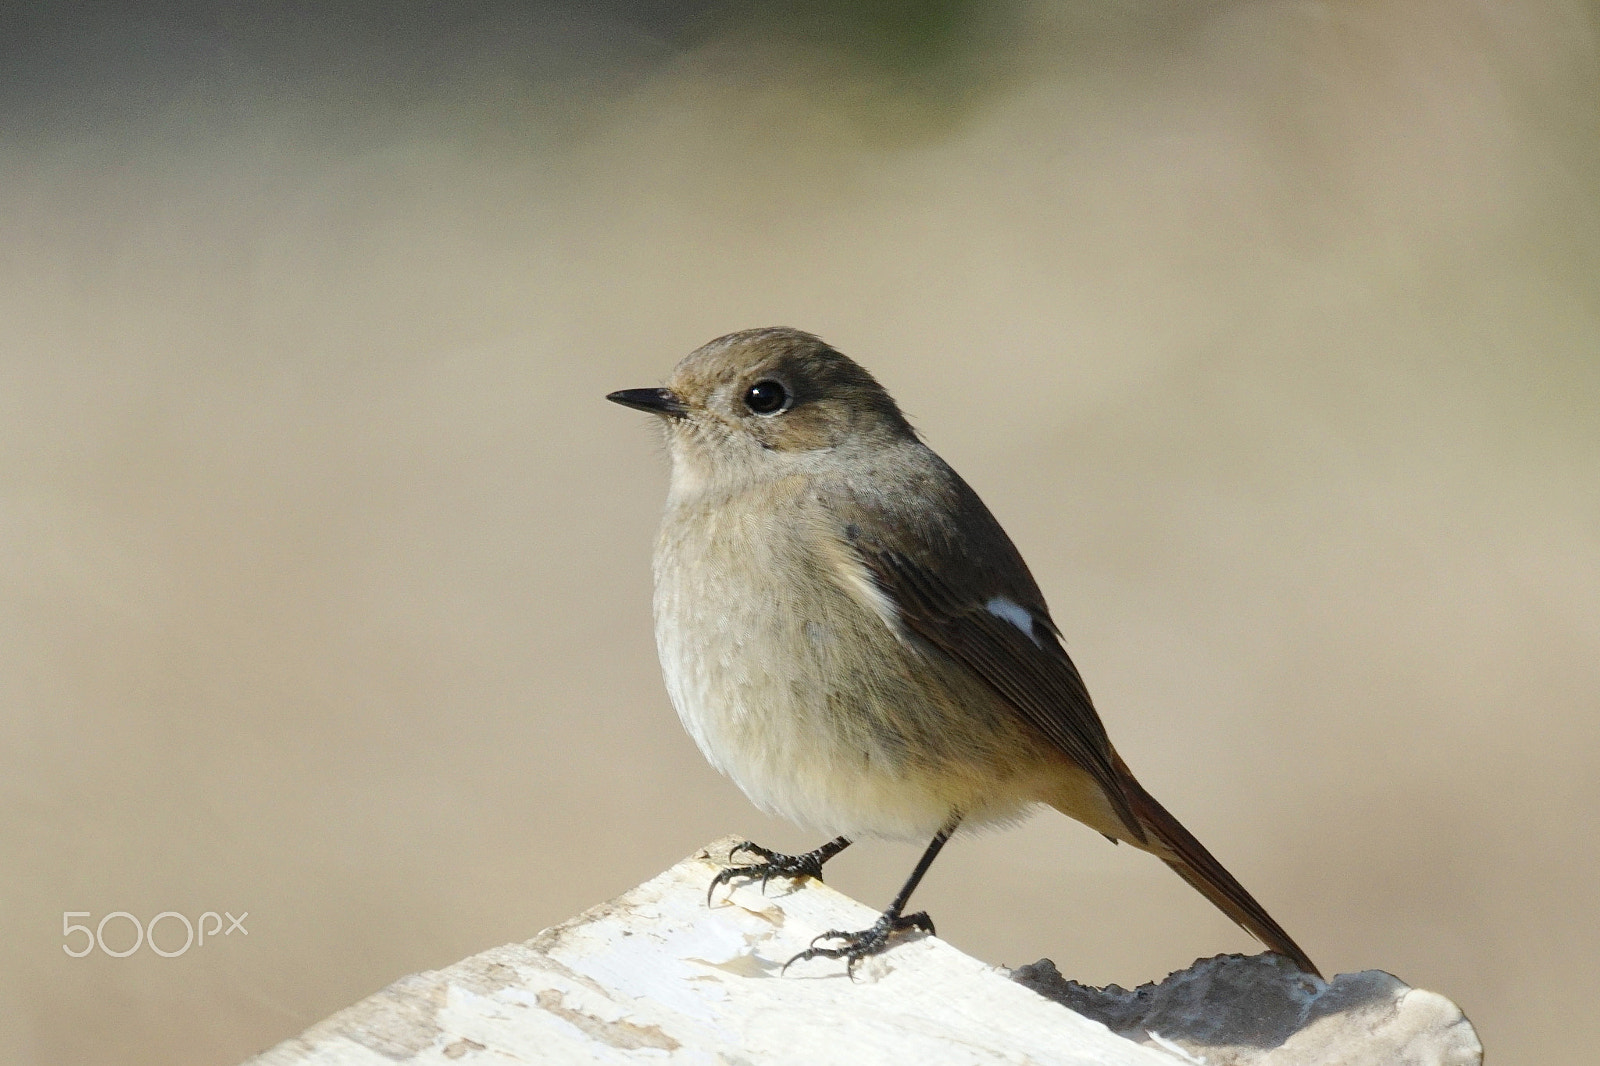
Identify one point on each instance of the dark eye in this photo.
(766, 397)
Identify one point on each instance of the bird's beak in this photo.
(656, 401)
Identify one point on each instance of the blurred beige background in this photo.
(1271, 330)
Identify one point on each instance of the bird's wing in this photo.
(982, 609)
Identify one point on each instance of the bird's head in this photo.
(764, 403)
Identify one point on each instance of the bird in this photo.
(846, 632)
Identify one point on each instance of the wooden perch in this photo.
(656, 975)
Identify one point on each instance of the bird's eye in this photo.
(766, 397)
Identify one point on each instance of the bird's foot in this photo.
(856, 946)
(772, 864)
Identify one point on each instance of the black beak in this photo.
(656, 401)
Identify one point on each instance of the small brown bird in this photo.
(848, 633)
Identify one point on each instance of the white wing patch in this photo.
(854, 577)
(1010, 611)
(860, 581)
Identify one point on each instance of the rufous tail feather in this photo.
(1176, 846)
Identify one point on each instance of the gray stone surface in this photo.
(1258, 1010)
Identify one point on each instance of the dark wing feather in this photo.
(1034, 676)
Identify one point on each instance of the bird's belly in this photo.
(823, 714)
(815, 757)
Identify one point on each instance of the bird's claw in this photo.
(772, 864)
(864, 943)
(750, 847)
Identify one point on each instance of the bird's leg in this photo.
(859, 945)
(775, 864)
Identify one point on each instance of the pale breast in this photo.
(787, 668)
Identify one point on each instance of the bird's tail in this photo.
(1168, 840)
